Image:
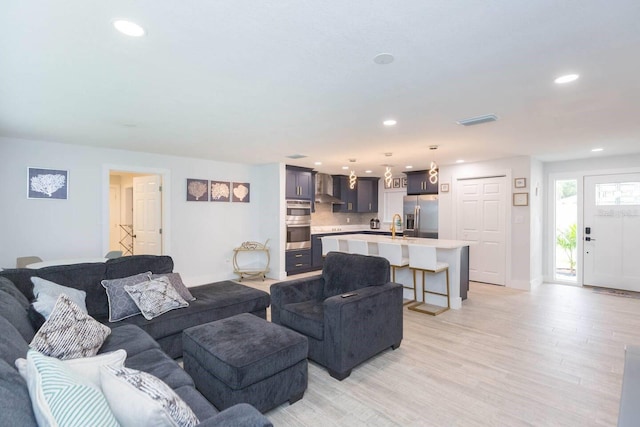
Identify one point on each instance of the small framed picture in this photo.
(388, 183)
(444, 188)
(520, 182)
(47, 183)
(240, 192)
(220, 191)
(197, 190)
(396, 182)
(404, 182)
(520, 199)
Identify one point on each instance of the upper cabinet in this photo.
(363, 198)
(418, 183)
(367, 195)
(299, 183)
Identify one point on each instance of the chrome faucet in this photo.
(394, 223)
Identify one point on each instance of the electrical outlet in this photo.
(348, 220)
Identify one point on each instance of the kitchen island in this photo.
(453, 252)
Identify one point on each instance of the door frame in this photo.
(550, 234)
(165, 175)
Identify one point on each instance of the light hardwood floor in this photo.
(550, 357)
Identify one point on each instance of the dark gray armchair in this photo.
(343, 331)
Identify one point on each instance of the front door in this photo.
(481, 219)
(612, 231)
(147, 215)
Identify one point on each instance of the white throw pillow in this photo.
(139, 399)
(60, 397)
(69, 333)
(47, 293)
(155, 297)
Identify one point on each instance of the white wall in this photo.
(519, 271)
(200, 236)
(535, 187)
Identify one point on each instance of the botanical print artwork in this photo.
(197, 190)
(241, 192)
(47, 183)
(220, 191)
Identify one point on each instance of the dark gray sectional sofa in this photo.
(150, 345)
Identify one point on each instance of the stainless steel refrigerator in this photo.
(420, 216)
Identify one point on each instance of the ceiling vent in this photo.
(297, 156)
(471, 121)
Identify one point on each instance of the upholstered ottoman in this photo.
(246, 359)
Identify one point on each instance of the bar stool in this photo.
(358, 247)
(423, 258)
(330, 244)
(398, 258)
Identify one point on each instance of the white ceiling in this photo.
(256, 81)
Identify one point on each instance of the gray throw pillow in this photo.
(178, 284)
(121, 305)
(69, 333)
(47, 293)
(155, 297)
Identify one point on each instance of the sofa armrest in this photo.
(299, 290)
(240, 415)
(360, 326)
(629, 414)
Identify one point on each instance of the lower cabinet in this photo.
(316, 251)
(298, 261)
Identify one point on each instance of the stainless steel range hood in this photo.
(324, 190)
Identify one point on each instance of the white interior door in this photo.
(481, 219)
(147, 215)
(612, 231)
(114, 217)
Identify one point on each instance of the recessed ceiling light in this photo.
(345, 167)
(383, 58)
(390, 122)
(317, 163)
(595, 150)
(459, 161)
(368, 171)
(567, 78)
(408, 167)
(128, 28)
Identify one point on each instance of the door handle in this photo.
(589, 239)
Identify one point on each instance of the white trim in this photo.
(166, 200)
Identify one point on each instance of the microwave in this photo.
(298, 212)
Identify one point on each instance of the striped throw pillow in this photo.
(62, 398)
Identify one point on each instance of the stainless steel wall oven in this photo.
(298, 223)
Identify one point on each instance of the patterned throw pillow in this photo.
(178, 284)
(121, 305)
(69, 333)
(140, 399)
(61, 397)
(155, 297)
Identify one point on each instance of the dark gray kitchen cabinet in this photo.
(299, 183)
(342, 191)
(316, 251)
(367, 195)
(418, 183)
(298, 261)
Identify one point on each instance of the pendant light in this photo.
(433, 173)
(388, 177)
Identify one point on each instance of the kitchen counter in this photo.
(453, 252)
(355, 228)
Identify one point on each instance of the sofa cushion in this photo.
(121, 305)
(197, 402)
(126, 266)
(21, 278)
(12, 344)
(129, 337)
(47, 293)
(305, 317)
(155, 297)
(157, 363)
(17, 315)
(347, 272)
(154, 402)
(14, 395)
(61, 397)
(9, 287)
(178, 284)
(69, 332)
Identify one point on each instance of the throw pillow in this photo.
(140, 399)
(61, 397)
(121, 305)
(69, 333)
(155, 297)
(87, 368)
(47, 293)
(178, 284)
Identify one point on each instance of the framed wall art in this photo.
(444, 188)
(520, 199)
(241, 192)
(404, 182)
(520, 182)
(197, 190)
(396, 182)
(47, 183)
(220, 191)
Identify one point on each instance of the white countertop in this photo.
(355, 228)
(438, 243)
